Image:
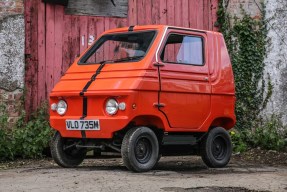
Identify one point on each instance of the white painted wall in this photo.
(276, 60)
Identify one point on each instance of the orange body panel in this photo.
(194, 98)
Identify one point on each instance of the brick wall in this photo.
(12, 44)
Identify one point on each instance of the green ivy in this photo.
(246, 40)
(25, 139)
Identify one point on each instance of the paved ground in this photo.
(178, 174)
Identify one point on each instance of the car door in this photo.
(184, 77)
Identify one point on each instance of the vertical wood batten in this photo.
(206, 14)
(50, 45)
(41, 53)
(155, 11)
(185, 13)
(141, 12)
(177, 12)
(100, 27)
(163, 12)
(132, 12)
(58, 36)
(147, 8)
(75, 40)
(193, 8)
(66, 52)
(107, 48)
(200, 16)
(28, 28)
(214, 9)
(31, 55)
(83, 33)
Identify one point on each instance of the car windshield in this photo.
(116, 48)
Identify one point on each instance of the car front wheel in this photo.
(65, 153)
(140, 149)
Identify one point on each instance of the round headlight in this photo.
(112, 106)
(61, 107)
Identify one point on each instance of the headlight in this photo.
(61, 107)
(112, 106)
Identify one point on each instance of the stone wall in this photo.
(276, 58)
(12, 45)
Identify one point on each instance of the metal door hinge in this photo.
(158, 64)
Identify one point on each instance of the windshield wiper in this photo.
(128, 58)
(121, 60)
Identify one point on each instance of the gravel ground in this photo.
(177, 174)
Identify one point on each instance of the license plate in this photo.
(83, 124)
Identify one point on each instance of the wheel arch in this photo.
(225, 122)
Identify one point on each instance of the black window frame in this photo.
(98, 43)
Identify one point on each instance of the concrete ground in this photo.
(177, 174)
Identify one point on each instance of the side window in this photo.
(183, 49)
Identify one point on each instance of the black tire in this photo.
(216, 148)
(140, 149)
(71, 157)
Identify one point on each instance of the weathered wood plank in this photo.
(200, 16)
(147, 9)
(100, 28)
(66, 52)
(98, 8)
(214, 9)
(193, 8)
(185, 13)
(107, 53)
(75, 43)
(132, 13)
(163, 12)
(155, 10)
(170, 21)
(50, 43)
(141, 12)
(59, 16)
(177, 12)
(41, 53)
(83, 33)
(206, 14)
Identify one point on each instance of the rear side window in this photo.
(183, 49)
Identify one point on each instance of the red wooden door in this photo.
(54, 39)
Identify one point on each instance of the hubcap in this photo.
(143, 150)
(219, 148)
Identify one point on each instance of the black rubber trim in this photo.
(131, 28)
(85, 99)
(85, 107)
(93, 78)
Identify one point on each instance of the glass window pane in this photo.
(183, 49)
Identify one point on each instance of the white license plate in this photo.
(82, 124)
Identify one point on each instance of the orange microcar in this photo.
(144, 92)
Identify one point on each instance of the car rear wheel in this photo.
(140, 149)
(216, 148)
(65, 153)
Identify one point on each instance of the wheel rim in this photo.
(143, 150)
(219, 148)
